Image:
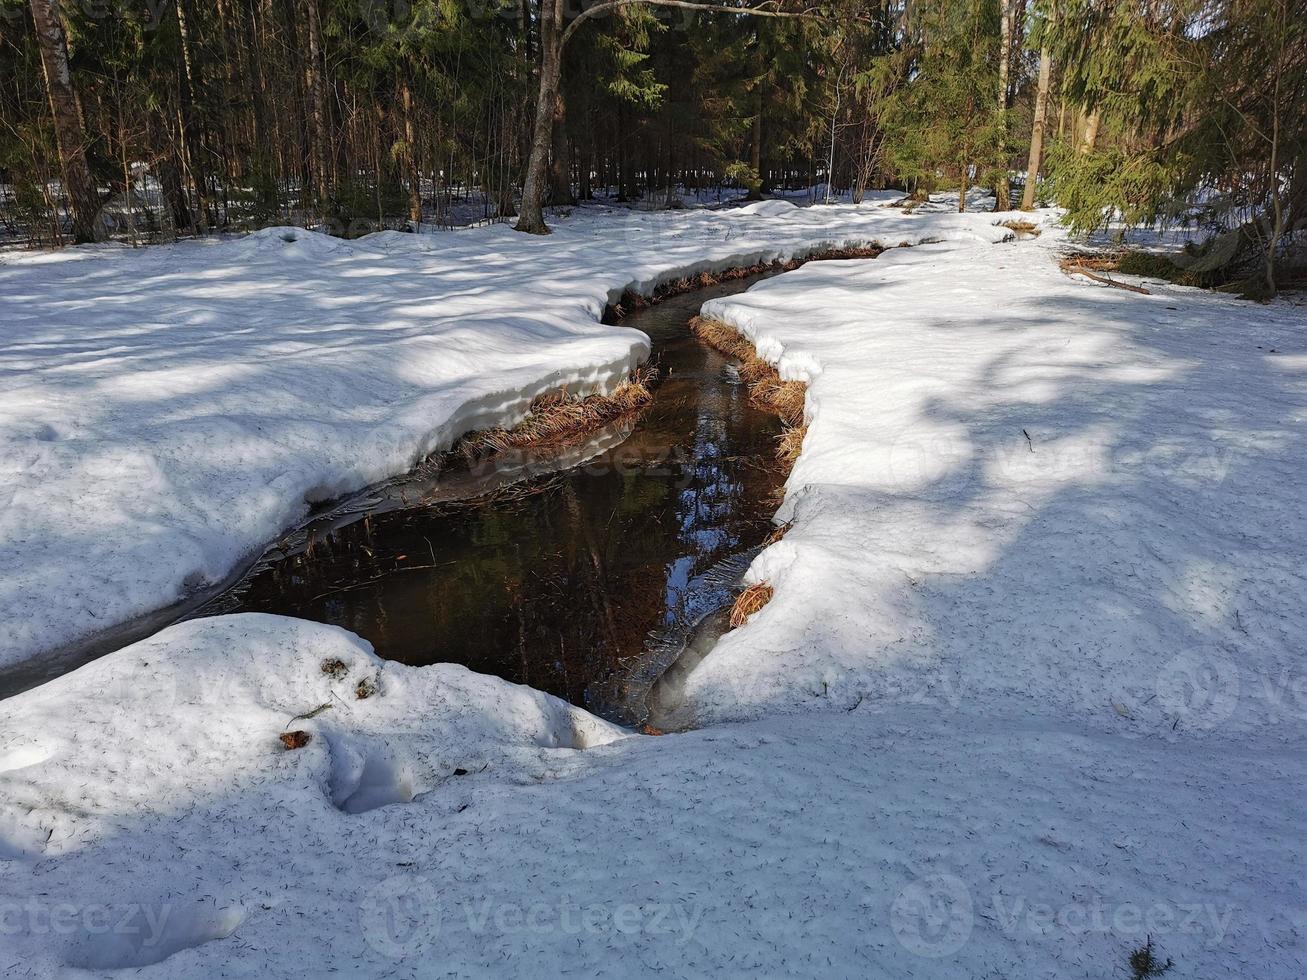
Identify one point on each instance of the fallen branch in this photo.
(1082, 271)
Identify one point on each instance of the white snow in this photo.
(1043, 492)
(1017, 705)
(769, 209)
(165, 412)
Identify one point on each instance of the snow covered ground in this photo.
(1030, 691)
(1044, 491)
(165, 412)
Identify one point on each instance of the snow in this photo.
(769, 209)
(1078, 498)
(154, 811)
(1029, 691)
(166, 412)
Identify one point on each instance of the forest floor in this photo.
(1030, 692)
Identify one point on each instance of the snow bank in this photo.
(166, 411)
(769, 209)
(455, 824)
(177, 738)
(1023, 493)
(204, 704)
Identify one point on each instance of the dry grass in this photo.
(1190, 267)
(789, 399)
(559, 416)
(1099, 262)
(1021, 227)
(856, 252)
(1090, 265)
(756, 372)
(726, 339)
(785, 398)
(749, 602)
(790, 443)
(778, 534)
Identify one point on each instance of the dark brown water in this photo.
(584, 580)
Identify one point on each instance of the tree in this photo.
(555, 32)
(883, 67)
(1193, 114)
(344, 112)
(943, 117)
(317, 90)
(1040, 117)
(83, 200)
(1008, 17)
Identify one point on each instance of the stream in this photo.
(583, 570)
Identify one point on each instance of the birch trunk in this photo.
(1037, 130)
(83, 201)
(1002, 199)
(1091, 132)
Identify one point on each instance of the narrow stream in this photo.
(586, 580)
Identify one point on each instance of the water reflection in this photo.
(582, 583)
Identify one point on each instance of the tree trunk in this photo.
(830, 159)
(317, 104)
(83, 201)
(560, 167)
(1297, 198)
(1277, 196)
(584, 167)
(1002, 200)
(411, 153)
(1091, 132)
(257, 87)
(1037, 130)
(620, 164)
(669, 177)
(188, 127)
(531, 216)
(963, 186)
(1273, 173)
(755, 146)
(170, 180)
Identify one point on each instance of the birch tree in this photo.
(66, 114)
(1040, 115)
